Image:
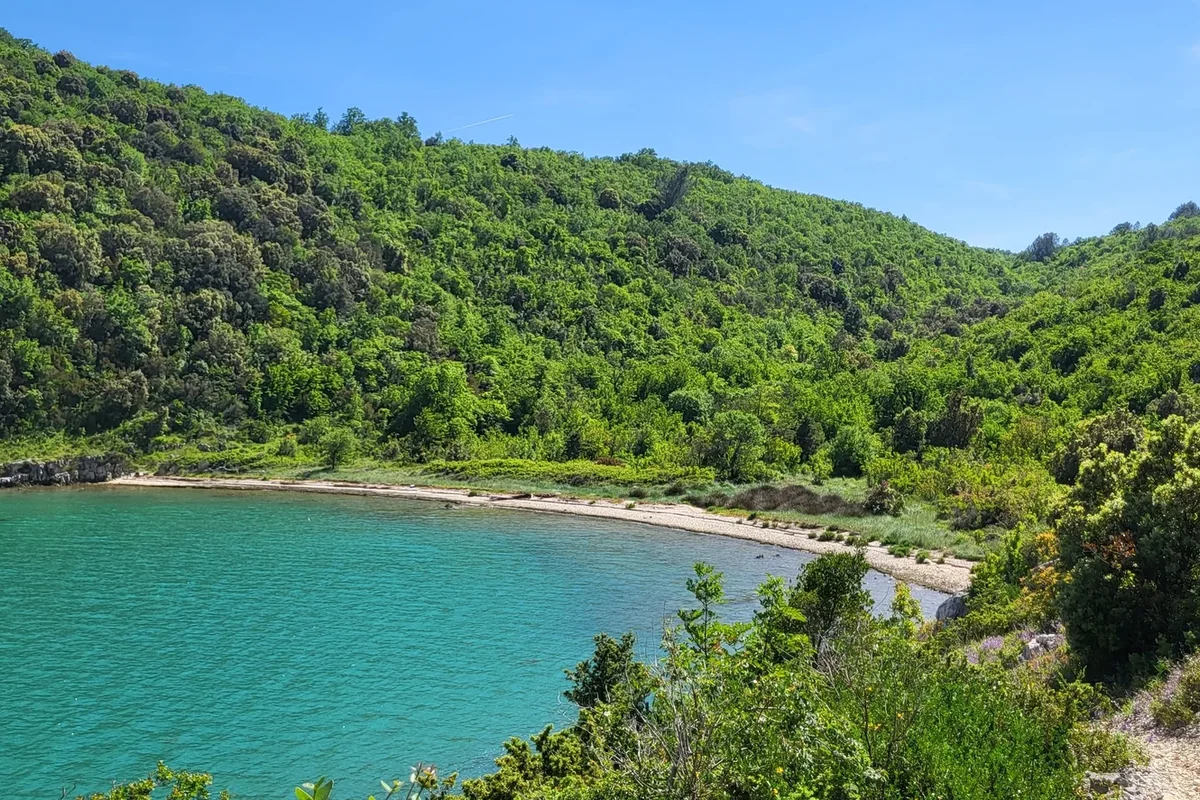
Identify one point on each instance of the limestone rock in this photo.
(84, 469)
(952, 607)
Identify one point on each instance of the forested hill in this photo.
(176, 266)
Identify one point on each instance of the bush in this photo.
(286, 447)
(573, 473)
(1128, 543)
(883, 498)
(337, 445)
(820, 467)
(790, 498)
(851, 449)
(1171, 713)
(1178, 701)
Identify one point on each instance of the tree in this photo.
(1043, 248)
(694, 405)
(958, 424)
(1185, 210)
(670, 192)
(1127, 535)
(829, 594)
(350, 121)
(736, 445)
(610, 676)
(851, 449)
(908, 432)
(337, 446)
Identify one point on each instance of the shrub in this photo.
(337, 445)
(286, 447)
(1128, 546)
(1171, 713)
(851, 449)
(883, 498)
(820, 467)
(574, 473)
(792, 498)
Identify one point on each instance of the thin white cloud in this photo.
(776, 117)
(481, 122)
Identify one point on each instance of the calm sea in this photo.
(271, 638)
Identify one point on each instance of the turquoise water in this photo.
(270, 638)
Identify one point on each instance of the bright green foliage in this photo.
(1128, 539)
(337, 445)
(182, 786)
(877, 713)
(180, 270)
(829, 595)
(737, 446)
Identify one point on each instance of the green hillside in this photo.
(180, 269)
(201, 286)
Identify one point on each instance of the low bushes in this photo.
(781, 498)
(570, 473)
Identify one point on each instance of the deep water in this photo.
(270, 638)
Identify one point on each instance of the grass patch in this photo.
(838, 507)
(569, 473)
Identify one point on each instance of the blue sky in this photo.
(991, 124)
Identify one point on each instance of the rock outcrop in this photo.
(84, 469)
(952, 607)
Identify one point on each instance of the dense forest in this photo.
(180, 270)
(176, 265)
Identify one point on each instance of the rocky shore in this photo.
(83, 469)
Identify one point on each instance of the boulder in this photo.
(1040, 645)
(952, 607)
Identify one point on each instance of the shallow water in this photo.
(270, 638)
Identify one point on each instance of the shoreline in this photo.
(951, 577)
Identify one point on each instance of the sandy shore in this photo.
(952, 576)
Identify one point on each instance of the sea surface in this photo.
(270, 638)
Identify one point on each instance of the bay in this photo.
(270, 638)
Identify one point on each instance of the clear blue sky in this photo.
(989, 124)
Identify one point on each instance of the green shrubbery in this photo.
(1130, 552)
(182, 272)
(570, 473)
(1176, 705)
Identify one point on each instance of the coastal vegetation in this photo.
(204, 287)
(183, 274)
